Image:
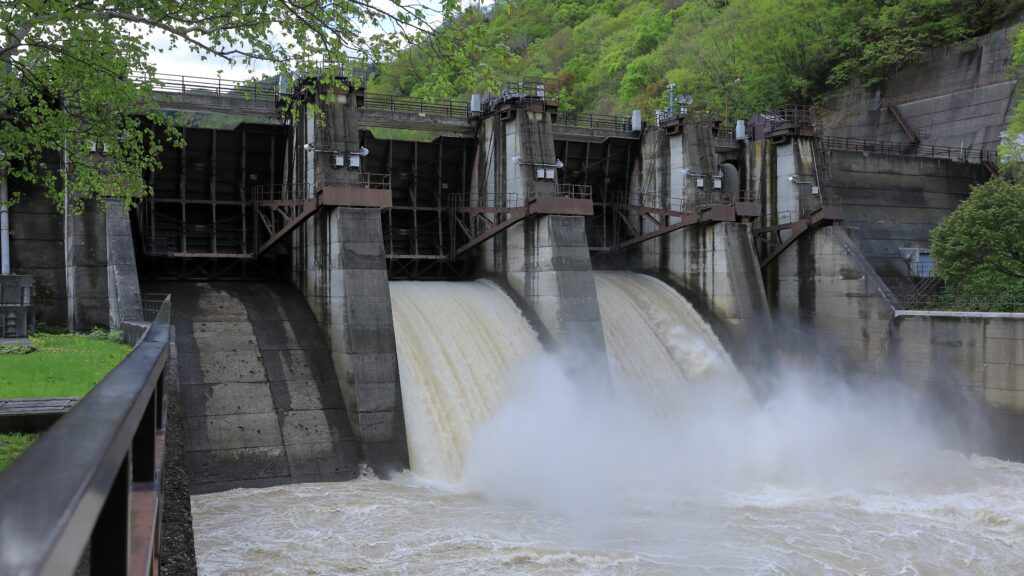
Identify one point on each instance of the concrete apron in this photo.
(258, 390)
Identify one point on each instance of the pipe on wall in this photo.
(5, 228)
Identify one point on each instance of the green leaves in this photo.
(979, 248)
(74, 74)
(735, 57)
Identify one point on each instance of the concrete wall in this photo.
(339, 267)
(981, 350)
(980, 353)
(85, 259)
(548, 267)
(828, 300)
(825, 296)
(955, 98)
(783, 176)
(102, 280)
(895, 202)
(37, 250)
(124, 300)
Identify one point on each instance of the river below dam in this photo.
(525, 463)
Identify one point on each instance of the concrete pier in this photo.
(339, 265)
(343, 276)
(545, 259)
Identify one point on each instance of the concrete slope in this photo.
(959, 96)
(258, 390)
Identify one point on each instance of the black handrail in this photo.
(389, 103)
(969, 155)
(95, 477)
(174, 84)
(594, 121)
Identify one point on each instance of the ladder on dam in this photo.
(913, 135)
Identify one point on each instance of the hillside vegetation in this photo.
(736, 57)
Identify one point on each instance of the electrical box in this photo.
(699, 182)
(354, 160)
(339, 161)
(543, 173)
(716, 183)
(815, 190)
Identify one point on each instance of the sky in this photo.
(182, 62)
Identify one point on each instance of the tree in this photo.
(75, 74)
(979, 248)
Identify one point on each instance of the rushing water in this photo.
(520, 466)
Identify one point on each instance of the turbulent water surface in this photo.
(521, 465)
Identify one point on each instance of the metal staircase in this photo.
(913, 135)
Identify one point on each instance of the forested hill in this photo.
(735, 57)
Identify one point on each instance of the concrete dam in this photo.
(508, 330)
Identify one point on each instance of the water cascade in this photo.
(521, 466)
(658, 345)
(456, 343)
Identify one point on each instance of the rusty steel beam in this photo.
(688, 219)
(515, 215)
(708, 215)
(309, 207)
(820, 217)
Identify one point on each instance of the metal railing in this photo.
(151, 305)
(652, 201)
(95, 478)
(593, 121)
(575, 191)
(540, 88)
(789, 113)
(487, 200)
(971, 155)
(962, 302)
(686, 116)
(386, 103)
(249, 89)
(825, 200)
(699, 201)
(370, 180)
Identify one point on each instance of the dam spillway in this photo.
(804, 483)
(456, 344)
(657, 341)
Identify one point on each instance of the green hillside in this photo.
(736, 57)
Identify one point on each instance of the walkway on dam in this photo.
(258, 390)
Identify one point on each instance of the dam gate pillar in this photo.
(544, 256)
(690, 216)
(339, 265)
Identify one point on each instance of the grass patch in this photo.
(62, 365)
(12, 445)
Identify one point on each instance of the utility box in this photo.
(17, 311)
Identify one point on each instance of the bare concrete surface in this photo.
(260, 402)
